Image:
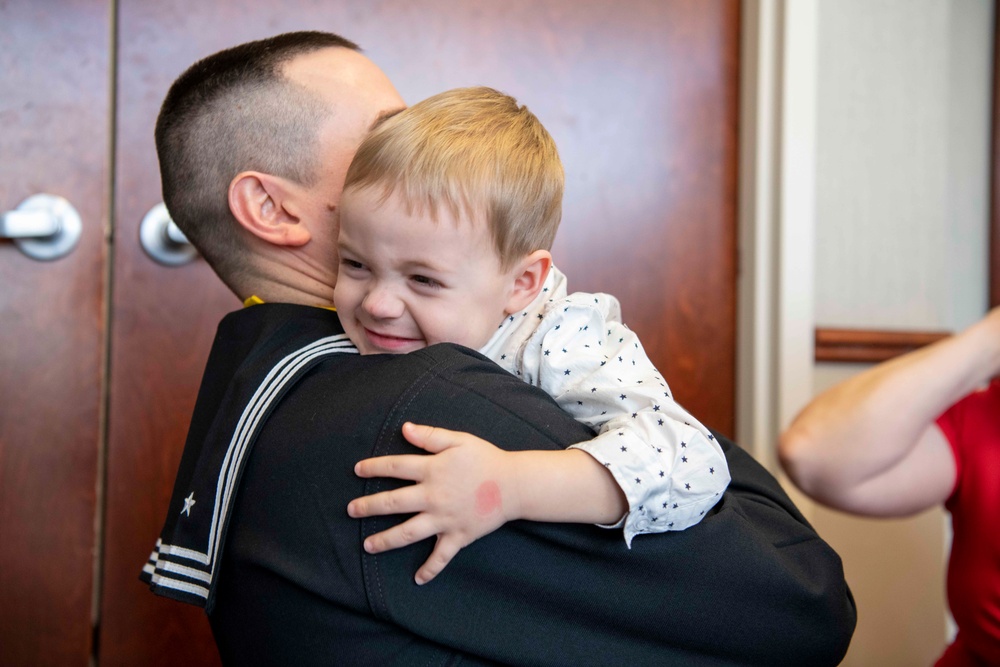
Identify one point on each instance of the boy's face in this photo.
(407, 281)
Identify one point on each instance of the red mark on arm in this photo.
(488, 498)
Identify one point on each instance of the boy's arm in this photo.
(667, 464)
(870, 445)
(653, 466)
(469, 488)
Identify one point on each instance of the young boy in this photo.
(447, 217)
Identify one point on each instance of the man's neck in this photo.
(285, 285)
(276, 293)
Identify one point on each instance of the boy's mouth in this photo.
(392, 344)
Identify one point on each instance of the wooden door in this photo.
(55, 113)
(641, 97)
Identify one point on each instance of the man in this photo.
(919, 431)
(257, 531)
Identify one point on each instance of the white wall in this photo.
(902, 162)
(877, 220)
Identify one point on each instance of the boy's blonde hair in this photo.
(476, 151)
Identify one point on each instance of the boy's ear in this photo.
(260, 204)
(529, 276)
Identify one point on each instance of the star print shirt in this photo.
(576, 349)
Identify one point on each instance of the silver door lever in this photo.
(43, 226)
(163, 240)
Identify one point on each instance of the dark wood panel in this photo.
(54, 111)
(642, 99)
(864, 345)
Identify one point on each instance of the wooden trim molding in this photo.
(994, 241)
(866, 345)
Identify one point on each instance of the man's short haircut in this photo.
(231, 112)
(476, 151)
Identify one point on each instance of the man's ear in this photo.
(529, 275)
(259, 202)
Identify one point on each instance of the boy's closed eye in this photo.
(348, 263)
(426, 282)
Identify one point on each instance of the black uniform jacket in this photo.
(258, 533)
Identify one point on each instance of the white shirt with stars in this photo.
(576, 349)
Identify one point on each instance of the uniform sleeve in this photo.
(669, 466)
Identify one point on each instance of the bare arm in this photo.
(870, 445)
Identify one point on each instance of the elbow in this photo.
(791, 443)
(796, 454)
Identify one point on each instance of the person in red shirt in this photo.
(972, 427)
(915, 432)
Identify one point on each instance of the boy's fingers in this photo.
(409, 532)
(403, 466)
(429, 438)
(435, 439)
(407, 500)
(444, 551)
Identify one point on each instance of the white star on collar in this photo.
(188, 504)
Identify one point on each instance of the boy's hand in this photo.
(462, 492)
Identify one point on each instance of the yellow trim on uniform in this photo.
(254, 300)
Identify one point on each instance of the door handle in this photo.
(43, 226)
(163, 240)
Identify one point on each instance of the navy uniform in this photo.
(258, 533)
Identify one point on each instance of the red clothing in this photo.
(972, 426)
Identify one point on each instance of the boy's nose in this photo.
(382, 304)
